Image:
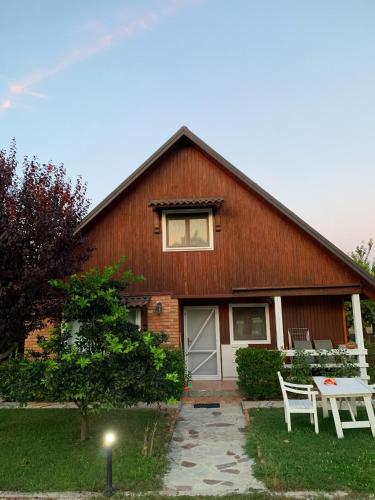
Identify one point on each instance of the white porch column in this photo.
(358, 332)
(357, 321)
(279, 323)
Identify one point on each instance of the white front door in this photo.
(202, 342)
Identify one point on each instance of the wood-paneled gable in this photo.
(256, 247)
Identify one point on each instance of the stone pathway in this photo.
(207, 455)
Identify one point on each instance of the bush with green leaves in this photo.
(95, 357)
(21, 379)
(345, 365)
(305, 366)
(257, 372)
(300, 371)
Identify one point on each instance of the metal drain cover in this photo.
(207, 405)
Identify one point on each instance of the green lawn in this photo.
(40, 450)
(302, 460)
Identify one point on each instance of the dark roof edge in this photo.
(184, 131)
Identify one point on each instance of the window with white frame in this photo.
(134, 316)
(187, 230)
(73, 327)
(249, 324)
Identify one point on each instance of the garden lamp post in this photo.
(109, 439)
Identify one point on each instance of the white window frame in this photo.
(246, 342)
(138, 316)
(183, 212)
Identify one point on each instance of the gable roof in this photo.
(185, 134)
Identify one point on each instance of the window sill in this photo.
(188, 249)
(245, 343)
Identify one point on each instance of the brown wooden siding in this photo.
(256, 247)
(322, 315)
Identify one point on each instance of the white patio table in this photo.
(348, 389)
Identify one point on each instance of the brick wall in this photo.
(168, 321)
(32, 339)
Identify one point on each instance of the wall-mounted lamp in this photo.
(158, 308)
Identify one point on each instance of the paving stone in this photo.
(230, 471)
(220, 424)
(184, 463)
(216, 413)
(202, 460)
(188, 446)
(225, 466)
(183, 487)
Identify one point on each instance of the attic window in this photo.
(190, 229)
(202, 204)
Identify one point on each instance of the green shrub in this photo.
(345, 365)
(257, 372)
(301, 370)
(21, 379)
(106, 363)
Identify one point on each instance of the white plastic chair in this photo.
(305, 405)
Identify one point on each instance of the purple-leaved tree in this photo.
(40, 211)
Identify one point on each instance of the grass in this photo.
(40, 450)
(302, 460)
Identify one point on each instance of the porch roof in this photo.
(283, 291)
(139, 301)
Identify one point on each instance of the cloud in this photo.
(6, 104)
(102, 42)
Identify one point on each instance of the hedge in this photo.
(257, 373)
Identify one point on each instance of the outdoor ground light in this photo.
(109, 439)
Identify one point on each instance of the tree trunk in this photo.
(84, 426)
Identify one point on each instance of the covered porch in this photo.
(359, 351)
(213, 329)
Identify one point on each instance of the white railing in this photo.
(360, 353)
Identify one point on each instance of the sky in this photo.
(283, 89)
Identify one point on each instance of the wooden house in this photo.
(226, 265)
